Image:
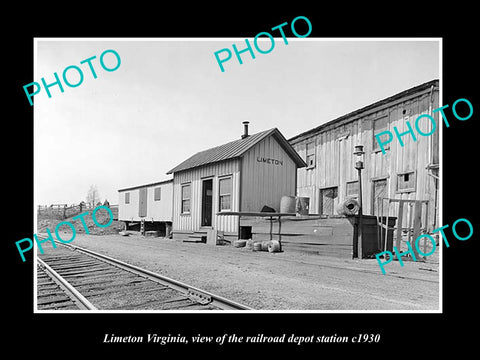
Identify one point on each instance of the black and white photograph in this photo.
(243, 186)
(285, 184)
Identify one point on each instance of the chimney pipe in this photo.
(245, 129)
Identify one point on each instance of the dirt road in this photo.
(279, 281)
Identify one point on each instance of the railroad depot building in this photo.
(150, 205)
(406, 173)
(400, 186)
(242, 175)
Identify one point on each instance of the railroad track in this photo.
(71, 277)
(53, 293)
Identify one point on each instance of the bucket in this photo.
(287, 204)
(273, 246)
(264, 246)
(257, 246)
(302, 205)
(239, 243)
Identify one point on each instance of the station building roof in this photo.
(235, 149)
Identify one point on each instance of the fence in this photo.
(412, 219)
(63, 211)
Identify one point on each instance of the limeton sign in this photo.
(272, 161)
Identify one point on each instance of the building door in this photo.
(142, 202)
(379, 191)
(207, 202)
(328, 200)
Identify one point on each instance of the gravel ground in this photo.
(280, 281)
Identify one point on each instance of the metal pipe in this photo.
(360, 216)
(430, 142)
(245, 129)
(434, 176)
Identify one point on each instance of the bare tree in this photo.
(93, 196)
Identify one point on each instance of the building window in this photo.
(186, 189)
(352, 189)
(157, 194)
(225, 194)
(406, 182)
(380, 125)
(127, 198)
(310, 155)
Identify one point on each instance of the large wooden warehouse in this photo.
(242, 175)
(409, 172)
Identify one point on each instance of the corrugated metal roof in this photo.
(372, 107)
(235, 149)
(146, 185)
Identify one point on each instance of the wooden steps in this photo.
(196, 237)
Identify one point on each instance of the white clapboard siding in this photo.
(268, 173)
(156, 210)
(192, 222)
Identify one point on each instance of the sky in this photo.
(169, 99)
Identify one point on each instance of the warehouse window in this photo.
(352, 189)
(406, 182)
(157, 194)
(225, 194)
(186, 199)
(127, 198)
(380, 125)
(310, 155)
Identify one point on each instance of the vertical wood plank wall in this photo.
(334, 146)
(265, 182)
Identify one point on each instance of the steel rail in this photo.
(199, 295)
(70, 291)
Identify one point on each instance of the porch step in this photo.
(196, 238)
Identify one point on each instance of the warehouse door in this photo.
(207, 186)
(328, 200)
(379, 191)
(142, 202)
